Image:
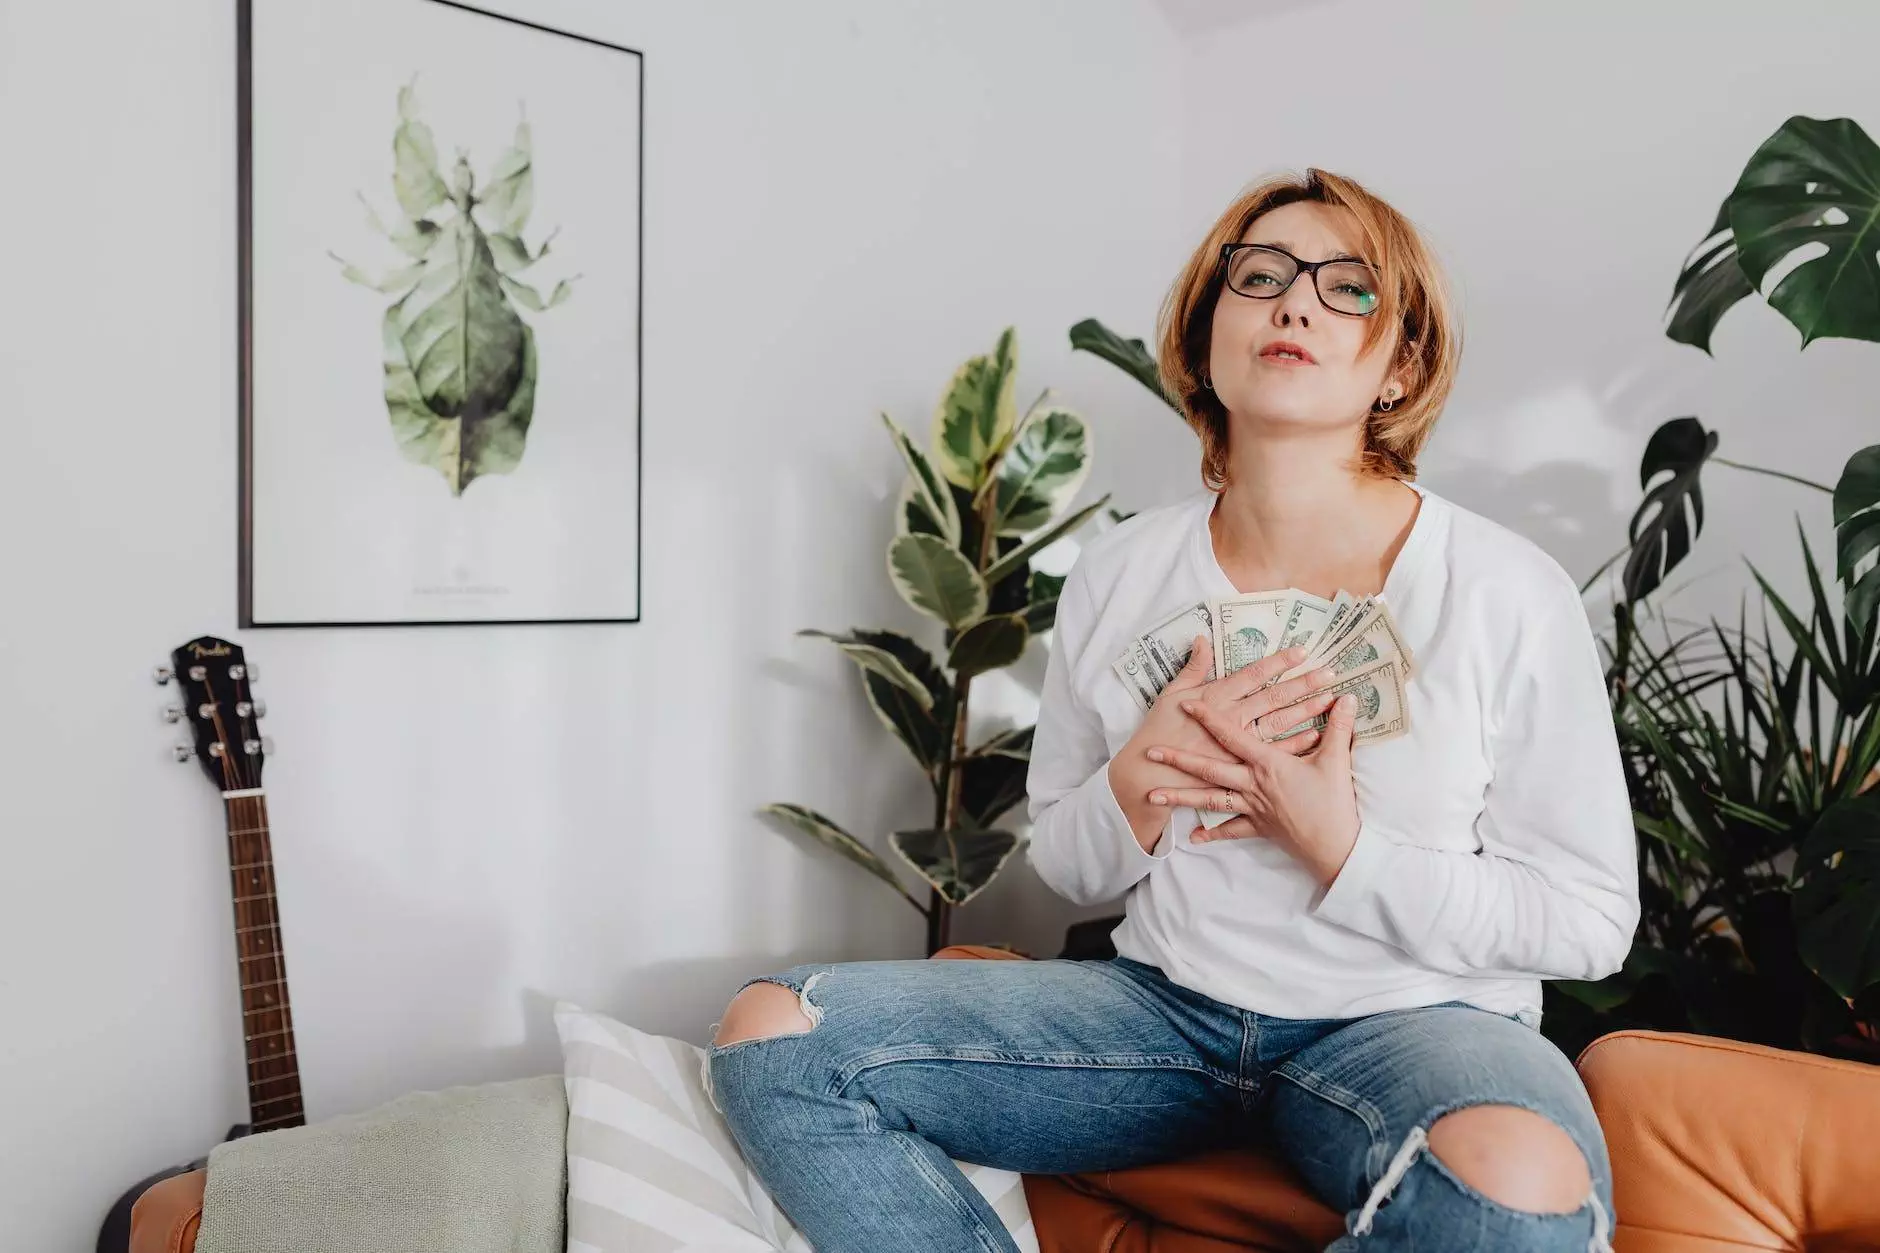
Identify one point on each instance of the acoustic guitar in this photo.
(222, 716)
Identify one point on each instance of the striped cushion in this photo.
(652, 1168)
(651, 1165)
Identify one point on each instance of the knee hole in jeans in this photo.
(764, 1009)
(1513, 1156)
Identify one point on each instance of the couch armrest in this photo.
(979, 950)
(1718, 1145)
(168, 1215)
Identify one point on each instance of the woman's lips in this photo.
(1268, 358)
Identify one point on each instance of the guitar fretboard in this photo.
(267, 1017)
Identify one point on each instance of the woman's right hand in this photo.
(1244, 695)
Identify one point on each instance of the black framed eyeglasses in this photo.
(1263, 272)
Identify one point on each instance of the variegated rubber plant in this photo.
(979, 503)
(460, 363)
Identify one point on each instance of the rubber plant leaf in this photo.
(957, 864)
(934, 578)
(1042, 470)
(808, 822)
(977, 413)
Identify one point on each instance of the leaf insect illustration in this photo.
(460, 363)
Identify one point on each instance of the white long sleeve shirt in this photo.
(1495, 845)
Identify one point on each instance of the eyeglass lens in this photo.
(1346, 286)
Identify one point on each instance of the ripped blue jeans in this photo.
(1061, 1066)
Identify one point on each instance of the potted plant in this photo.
(983, 498)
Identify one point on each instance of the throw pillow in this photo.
(652, 1167)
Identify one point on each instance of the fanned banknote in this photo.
(1354, 637)
(1157, 655)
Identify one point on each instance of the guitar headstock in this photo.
(219, 708)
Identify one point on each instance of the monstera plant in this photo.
(983, 498)
(1752, 775)
(460, 363)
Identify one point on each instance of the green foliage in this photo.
(978, 504)
(460, 363)
(1750, 758)
(1812, 182)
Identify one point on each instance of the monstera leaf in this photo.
(1837, 895)
(1131, 356)
(958, 864)
(1678, 449)
(1041, 471)
(460, 363)
(977, 414)
(1812, 182)
(1857, 535)
(809, 822)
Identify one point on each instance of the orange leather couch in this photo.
(1717, 1147)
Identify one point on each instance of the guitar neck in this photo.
(267, 1017)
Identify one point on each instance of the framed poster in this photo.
(440, 254)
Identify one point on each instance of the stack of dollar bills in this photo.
(1355, 637)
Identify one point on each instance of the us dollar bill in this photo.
(1383, 712)
(1247, 628)
(1155, 657)
(1373, 637)
(1302, 619)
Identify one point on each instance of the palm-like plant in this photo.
(979, 503)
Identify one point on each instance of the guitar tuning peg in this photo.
(267, 745)
(254, 672)
(162, 676)
(238, 673)
(172, 713)
(184, 752)
(261, 709)
(251, 708)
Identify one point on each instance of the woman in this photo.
(1349, 968)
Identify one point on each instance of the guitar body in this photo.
(222, 716)
(115, 1235)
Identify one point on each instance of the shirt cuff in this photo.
(1351, 901)
(1118, 822)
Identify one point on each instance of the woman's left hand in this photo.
(1306, 804)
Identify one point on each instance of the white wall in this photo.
(844, 200)
(1563, 158)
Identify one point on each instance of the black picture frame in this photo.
(245, 330)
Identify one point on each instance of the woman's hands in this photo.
(1242, 700)
(1308, 804)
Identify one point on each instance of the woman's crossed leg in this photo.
(850, 1086)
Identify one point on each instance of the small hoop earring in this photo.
(1384, 405)
(1207, 382)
